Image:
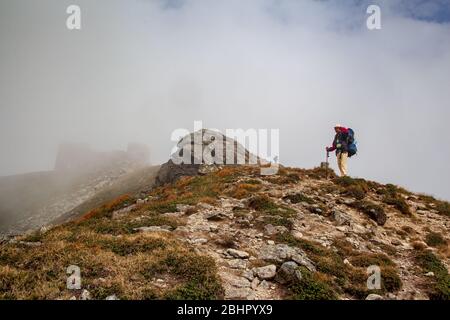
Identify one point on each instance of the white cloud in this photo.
(138, 70)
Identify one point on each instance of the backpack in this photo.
(352, 148)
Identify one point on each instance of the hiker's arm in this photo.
(333, 146)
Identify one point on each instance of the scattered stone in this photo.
(255, 283)
(357, 228)
(348, 202)
(199, 241)
(270, 242)
(297, 235)
(248, 274)
(270, 230)
(233, 293)
(347, 262)
(85, 295)
(238, 254)
(113, 297)
(184, 207)
(123, 212)
(237, 263)
(429, 274)
(153, 229)
(275, 193)
(264, 285)
(216, 216)
(374, 296)
(265, 273)
(141, 201)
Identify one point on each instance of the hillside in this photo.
(30, 201)
(228, 232)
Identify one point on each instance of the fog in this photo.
(137, 70)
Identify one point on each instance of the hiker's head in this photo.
(337, 128)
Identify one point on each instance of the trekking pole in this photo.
(328, 165)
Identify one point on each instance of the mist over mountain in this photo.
(138, 70)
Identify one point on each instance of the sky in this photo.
(139, 69)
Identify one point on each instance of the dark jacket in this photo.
(340, 142)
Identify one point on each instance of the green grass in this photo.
(264, 204)
(124, 247)
(440, 289)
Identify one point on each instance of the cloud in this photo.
(140, 69)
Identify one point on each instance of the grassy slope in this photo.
(116, 260)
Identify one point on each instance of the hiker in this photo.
(341, 145)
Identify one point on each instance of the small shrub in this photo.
(311, 287)
(369, 259)
(440, 288)
(434, 239)
(198, 272)
(356, 191)
(390, 281)
(297, 198)
(443, 208)
(374, 211)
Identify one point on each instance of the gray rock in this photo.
(374, 296)
(341, 218)
(270, 230)
(238, 254)
(233, 293)
(113, 297)
(266, 273)
(264, 285)
(255, 283)
(288, 273)
(248, 274)
(303, 260)
(297, 235)
(199, 241)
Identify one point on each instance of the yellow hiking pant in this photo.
(342, 163)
